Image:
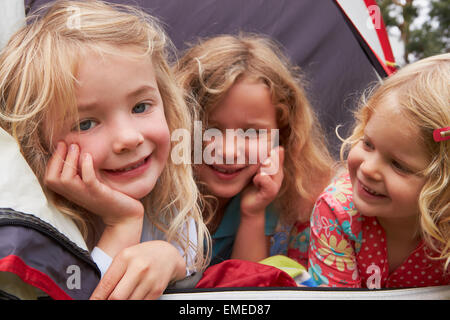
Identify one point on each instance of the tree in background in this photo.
(432, 37)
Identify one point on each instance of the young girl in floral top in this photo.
(386, 222)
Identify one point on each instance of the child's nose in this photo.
(230, 148)
(371, 168)
(127, 139)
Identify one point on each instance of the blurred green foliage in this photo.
(433, 36)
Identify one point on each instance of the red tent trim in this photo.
(33, 277)
(384, 40)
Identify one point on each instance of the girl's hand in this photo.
(251, 243)
(142, 271)
(266, 184)
(84, 189)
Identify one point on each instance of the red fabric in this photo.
(240, 273)
(33, 277)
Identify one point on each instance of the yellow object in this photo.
(291, 267)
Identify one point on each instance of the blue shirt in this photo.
(225, 234)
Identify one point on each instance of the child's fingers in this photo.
(71, 163)
(126, 287)
(279, 175)
(140, 292)
(155, 293)
(269, 184)
(87, 170)
(274, 163)
(263, 182)
(56, 163)
(149, 288)
(94, 187)
(109, 281)
(270, 165)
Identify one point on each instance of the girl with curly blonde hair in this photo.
(244, 86)
(386, 222)
(87, 92)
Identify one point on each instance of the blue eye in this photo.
(86, 125)
(141, 107)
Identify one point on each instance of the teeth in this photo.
(371, 191)
(130, 168)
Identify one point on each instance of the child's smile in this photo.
(226, 172)
(368, 193)
(383, 166)
(247, 106)
(131, 170)
(122, 123)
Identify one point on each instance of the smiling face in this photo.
(246, 106)
(384, 165)
(121, 122)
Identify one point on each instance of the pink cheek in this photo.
(160, 136)
(353, 163)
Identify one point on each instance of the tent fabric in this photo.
(44, 258)
(315, 35)
(12, 14)
(389, 59)
(38, 244)
(21, 191)
(365, 17)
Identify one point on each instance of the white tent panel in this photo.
(12, 17)
(361, 16)
(25, 194)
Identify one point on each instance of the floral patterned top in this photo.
(349, 250)
(299, 243)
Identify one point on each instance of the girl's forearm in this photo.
(251, 242)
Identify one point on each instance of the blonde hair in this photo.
(422, 91)
(209, 69)
(37, 78)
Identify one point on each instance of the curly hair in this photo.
(38, 76)
(422, 91)
(209, 69)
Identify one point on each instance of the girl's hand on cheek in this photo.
(265, 184)
(86, 190)
(251, 243)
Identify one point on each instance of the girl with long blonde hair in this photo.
(246, 83)
(87, 92)
(386, 222)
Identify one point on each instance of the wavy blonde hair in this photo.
(37, 87)
(422, 91)
(209, 69)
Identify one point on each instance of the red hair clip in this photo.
(441, 134)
